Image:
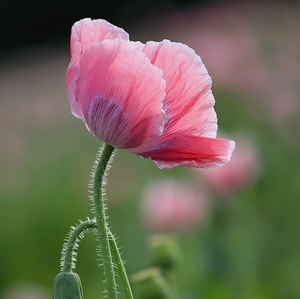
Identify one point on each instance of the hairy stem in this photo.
(101, 168)
(76, 233)
(120, 267)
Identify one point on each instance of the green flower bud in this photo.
(164, 251)
(67, 285)
(150, 284)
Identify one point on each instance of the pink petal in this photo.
(87, 32)
(118, 94)
(190, 151)
(83, 34)
(189, 101)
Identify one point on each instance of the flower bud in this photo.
(150, 284)
(164, 251)
(67, 285)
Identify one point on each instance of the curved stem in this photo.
(120, 266)
(102, 227)
(72, 240)
(67, 260)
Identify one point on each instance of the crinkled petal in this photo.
(191, 151)
(119, 94)
(189, 101)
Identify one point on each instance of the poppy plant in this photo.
(152, 99)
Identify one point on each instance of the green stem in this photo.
(68, 263)
(102, 227)
(120, 266)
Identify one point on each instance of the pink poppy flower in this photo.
(151, 99)
(169, 206)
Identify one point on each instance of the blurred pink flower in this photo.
(170, 206)
(243, 168)
(152, 99)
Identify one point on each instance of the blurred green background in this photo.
(249, 245)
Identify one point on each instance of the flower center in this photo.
(108, 121)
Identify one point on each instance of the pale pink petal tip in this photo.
(87, 32)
